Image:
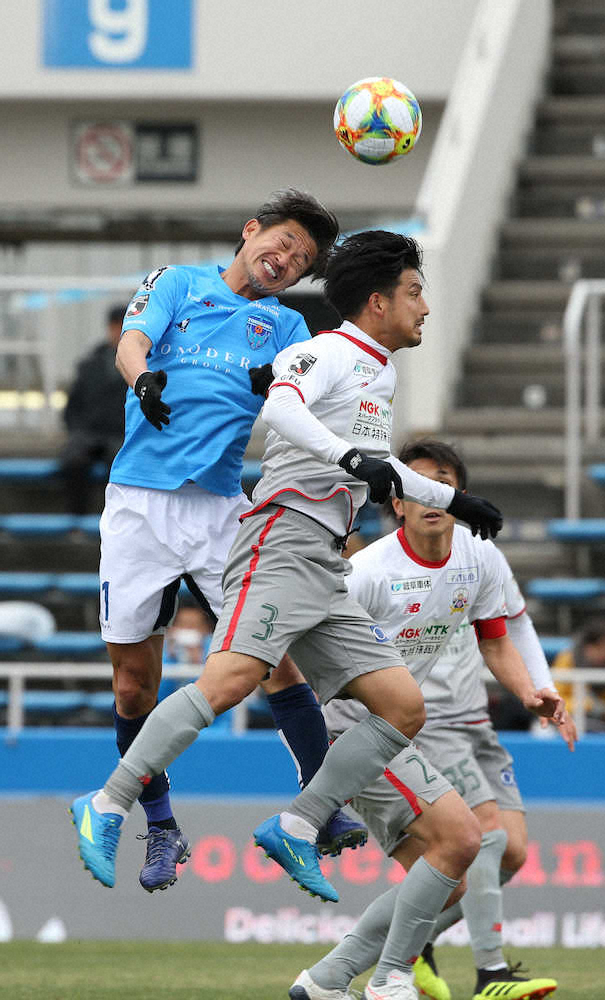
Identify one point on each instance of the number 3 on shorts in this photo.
(267, 621)
(105, 598)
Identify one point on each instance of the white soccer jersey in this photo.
(419, 605)
(454, 691)
(329, 396)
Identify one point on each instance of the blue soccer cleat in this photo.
(296, 856)
(340, 832)
(98, 836)
(165, 850)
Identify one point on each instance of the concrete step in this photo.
(572, 111)
(519, 326)
(578, 79)
(485, 359)
(514, 389)
(492, 421)
(560, 137)
(551, 264)
(544, 233)
(558, 201)
(500, 295)
(564, 169)
(574, 48)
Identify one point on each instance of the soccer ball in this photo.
(378, 120)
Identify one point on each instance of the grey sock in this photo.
(420, 899)
(482, 902)
(447, 918)
(172, 726)
(360, 948)
(353, 761)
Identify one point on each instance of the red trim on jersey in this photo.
(474, 722)
(407, 548)
(405, 791)
(359, 343)
(288, 489)
(248, 577)
(518, 615)
(296, 389)
(490, 628)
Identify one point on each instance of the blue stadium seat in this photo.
(566, 589)
(11, 644)
(100, 701)
(81, 584)
(50, 702)
(32, 469)
(586, 529)
(554, 644)
(26, 583)
(88, 523)
(71, 644)
(38, 524)
(597, 473)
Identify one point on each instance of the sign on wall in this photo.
(118, 153)
(117, 34)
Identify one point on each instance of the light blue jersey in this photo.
(205, 337)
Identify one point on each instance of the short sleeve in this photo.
(153, 307)
(489, 602)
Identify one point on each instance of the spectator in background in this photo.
(94, 415)
(587, 652)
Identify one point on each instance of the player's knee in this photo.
(133, 698)
(464, 840)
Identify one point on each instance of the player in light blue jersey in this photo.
(191, 336)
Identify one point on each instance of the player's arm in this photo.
(131, 362)
(287, 413)
(505, 663)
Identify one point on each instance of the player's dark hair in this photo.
(439, 452)
(591, 632)
(368, 262)
(301, 206)
(115, 314)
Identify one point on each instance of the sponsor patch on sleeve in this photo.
(302, 364)
(137, 306)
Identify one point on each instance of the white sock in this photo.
(494, 968)
(296, 826)
(103, 804)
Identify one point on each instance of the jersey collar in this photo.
(407, 548)
(362, 340)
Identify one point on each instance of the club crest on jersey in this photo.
(507, 777)
(459, 599)
(302, 364)
(137, 305)
(258, 331)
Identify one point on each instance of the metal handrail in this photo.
(17, 673)
(583, 304)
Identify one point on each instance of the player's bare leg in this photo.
(299, 721)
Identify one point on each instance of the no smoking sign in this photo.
(104, 153)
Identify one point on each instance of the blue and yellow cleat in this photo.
(427, 978)
(98, 836)
(165, 850)
(297, 857)
(341, 831)
(504, 983)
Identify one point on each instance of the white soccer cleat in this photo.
(303, 988)
(398, 986)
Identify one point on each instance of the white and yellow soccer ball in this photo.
(378, 120)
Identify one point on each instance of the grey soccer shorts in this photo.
(284, 590)
(391, 803)
(474, 761)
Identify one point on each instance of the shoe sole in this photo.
(166, 885)
(538, 994)
(303, 888)
(352, 840)
(298, 993)
(71, 813)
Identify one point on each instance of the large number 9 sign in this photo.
(119, 36)
(118, 33)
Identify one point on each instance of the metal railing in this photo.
(582, 423)
(18, 673)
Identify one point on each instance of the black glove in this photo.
(148, 387)
(261, 378)
(482, 516)
(379, 475)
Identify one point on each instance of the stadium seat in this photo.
(597, 474)
(31, 469)
(80, 584)
(49, 702)
(25, 583)
(71, 644)
(587, 529)
(553, 645)
(38, 524)
(11, 644)
(566, 589)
